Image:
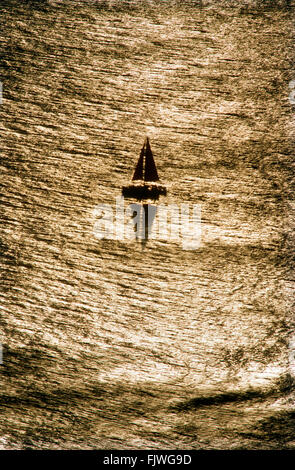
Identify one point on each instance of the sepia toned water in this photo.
(141, 344)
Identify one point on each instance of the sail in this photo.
(145, 173)
(150, 171)
(138, 173)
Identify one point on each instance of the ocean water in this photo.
(130, 343)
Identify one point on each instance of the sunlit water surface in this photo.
(129, 343)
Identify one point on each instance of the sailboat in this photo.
(145, 181)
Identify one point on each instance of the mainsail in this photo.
(150, 171)
(146, 168)
(138, 173)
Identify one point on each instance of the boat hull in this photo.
(144, 191)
